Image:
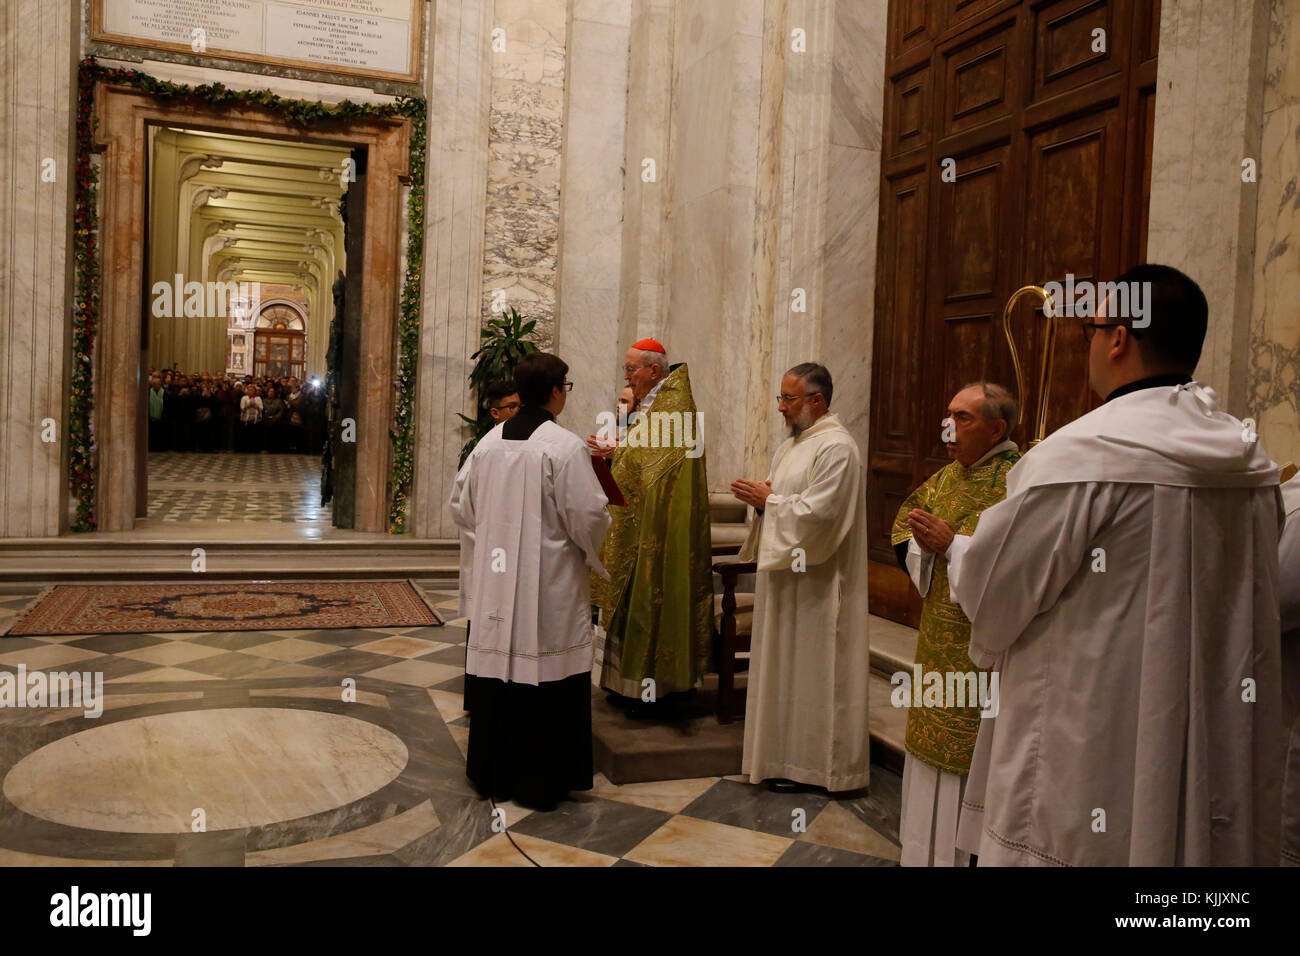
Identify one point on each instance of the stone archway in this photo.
(124, 117)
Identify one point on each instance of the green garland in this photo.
(408, 329)
(304, 113)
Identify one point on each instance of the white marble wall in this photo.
(38, 52)
(1274, 372)
(830, 175)
(459, 95)
(642, 273)
(709, 232)
(767, 168)
(591, 204)
(523, 167)
(1209, 105)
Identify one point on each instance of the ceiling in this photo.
(229, 208)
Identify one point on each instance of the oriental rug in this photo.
(224, 606)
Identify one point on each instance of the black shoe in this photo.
(640, 710)
(781, 785)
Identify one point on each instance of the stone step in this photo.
(888, 724)
(728, 534)
(635, 751)
(725, 509)
(174, 560)
(893, 646)
(237, 539)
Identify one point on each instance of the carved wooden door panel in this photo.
(1016, 149)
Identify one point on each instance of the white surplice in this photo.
(538, 518)
(1289, 586)
(466, 578)
(806, 712)
(1126, 588)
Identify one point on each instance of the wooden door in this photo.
(1041, 113)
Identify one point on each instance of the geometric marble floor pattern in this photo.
(235, 487)
(256, 759)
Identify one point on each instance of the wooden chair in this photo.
(733, 633)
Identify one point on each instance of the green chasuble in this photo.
(945, 737)
(657, 606)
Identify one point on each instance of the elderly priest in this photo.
(806, 710)
(940, 734)
(1127, 589)
(657, 606)
(537, 513)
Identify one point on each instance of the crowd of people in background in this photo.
(215, 413)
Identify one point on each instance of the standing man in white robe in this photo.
(539, 518)
(806, 710)
(1126, 588)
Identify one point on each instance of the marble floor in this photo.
(238, 749)
(226, 488)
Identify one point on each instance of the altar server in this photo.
(538, 516)
(1126, 588)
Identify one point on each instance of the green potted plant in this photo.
(504, 343)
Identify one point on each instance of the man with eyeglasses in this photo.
(502, 400)
(810, 656)
(657, 606)
(1126, 590)
(934, 521)
(529, 496)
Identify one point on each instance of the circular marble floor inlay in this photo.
(243, 767)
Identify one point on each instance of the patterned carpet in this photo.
(182, 691)
(77, 609)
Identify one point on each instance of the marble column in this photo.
(767, 241)
(826, 177)
(1209, 103)
(591, 205)
(38, 54)
(1274, 372)
(459, 92)
(710, 214)
(649, 103)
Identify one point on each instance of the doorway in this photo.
(244, 235)
(129, 123)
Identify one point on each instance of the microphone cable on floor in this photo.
(509, 837)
